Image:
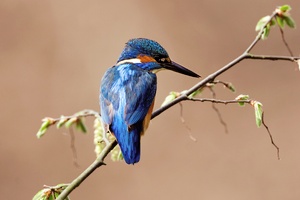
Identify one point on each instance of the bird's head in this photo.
(142, 50)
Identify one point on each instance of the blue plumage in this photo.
(143, 46)
(128, 91)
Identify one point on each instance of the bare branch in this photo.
(217, 110)
(271, 137)
(97, 163)
(73, 148)
(284, 41)
(271, 57)
(184, 123)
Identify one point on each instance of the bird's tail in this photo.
(129, 140)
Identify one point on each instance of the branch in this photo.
(272, 57)
(184, 96)
(220, 101)
(97, 163)
(208, 79)
(284, 41)
(261, 32)
(248, 101)
(213, 76)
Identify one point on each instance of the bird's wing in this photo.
(106, 96)
(129, 91)
(140, 93)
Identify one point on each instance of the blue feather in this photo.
(144, 46)
(128, 139)
(127, 92)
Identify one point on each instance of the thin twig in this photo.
(258, 37)
(284, 41)
(271, 137)
(272, 57)
(200, 84)
(211, 77)
(249, 101)
(221, 120)
(220, 117)
(83, 113)
(184, 123)
(220, 101)
(73, 148)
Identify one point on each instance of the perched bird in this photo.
(127, 93)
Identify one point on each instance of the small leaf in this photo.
(272, 23)
(266, 32)
(298, 62)
(44, 127)
(241, 103)
(258, 112)
(62, 121)
(231, 87)
(289, 21)
(170, 98)
(195, 93)
(40, 195)
(70, 122)
(280, 21)
(242, 97)
(50, 192)
(261, 23)
(80, 125)
(285, 8)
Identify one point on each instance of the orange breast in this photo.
(147, 118)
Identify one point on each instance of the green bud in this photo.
(258, 112)
(47, 122)
(289, 21)
(231, 87)
(80, 125)
(70, 122)
(285, 8)
(62, 121)
(280, 21)
(260, 24)
(40, 195)
(50, 193)
(170, 98)
(195, 93)
(242, 97)
(266, 32)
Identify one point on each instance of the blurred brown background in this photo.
(54, 53)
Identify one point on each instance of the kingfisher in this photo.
(127, 93)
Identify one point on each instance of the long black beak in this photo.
(180, 69)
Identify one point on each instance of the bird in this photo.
(127, 93)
